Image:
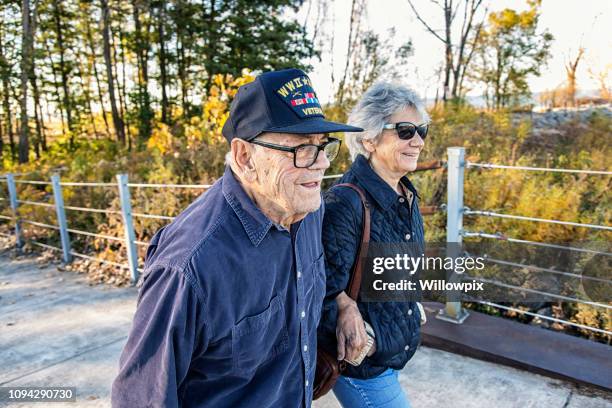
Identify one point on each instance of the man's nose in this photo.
(322, 162)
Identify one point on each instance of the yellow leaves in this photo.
(594, 317)
(161, 139)
(216, 105)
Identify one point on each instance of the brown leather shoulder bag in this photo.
(328, 367)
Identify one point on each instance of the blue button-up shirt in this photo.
(228, 310)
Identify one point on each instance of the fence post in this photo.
(130, 236)
(12, 190)
(454, 311)
(58, 197)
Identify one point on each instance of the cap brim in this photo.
(314, 126)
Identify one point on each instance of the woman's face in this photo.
(394, 154)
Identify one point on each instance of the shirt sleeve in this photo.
(167, 331)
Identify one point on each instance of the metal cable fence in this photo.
(454, 311)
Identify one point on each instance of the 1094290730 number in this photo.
(37, 394)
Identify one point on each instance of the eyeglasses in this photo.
(305, 155)
(407, 130)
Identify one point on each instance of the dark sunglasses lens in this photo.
(406, 131)
(423, 129)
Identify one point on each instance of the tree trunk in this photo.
(40, 139)
(121, 86)
(92, 49)
(6, 103)
(448, 66)
(86, 86)
(63, 70)
(26, 41)
(56, 87)
(570, 68)
(163, 64)
(142, 46)
(117, 120)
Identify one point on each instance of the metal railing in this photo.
(65, 232)
(454, 311)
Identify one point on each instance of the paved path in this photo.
(57, 330)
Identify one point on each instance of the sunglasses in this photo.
(407, 130)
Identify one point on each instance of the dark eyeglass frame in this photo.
(294, 149)
(421, 129)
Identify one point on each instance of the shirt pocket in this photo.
(259, 338)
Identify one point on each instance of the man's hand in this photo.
(350, 330)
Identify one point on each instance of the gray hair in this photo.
(373, 110)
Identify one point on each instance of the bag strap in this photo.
(356, 274)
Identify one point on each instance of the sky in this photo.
(573, 23)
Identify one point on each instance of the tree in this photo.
(163, 59)
(60, 16)
(372, 59)
(5, 75)
(571, 67)
(141, 47)
(457, 53)
(509, 50)
(86, 12)
(602, 77)
(26, 41)
(251, 34)
(117, 119)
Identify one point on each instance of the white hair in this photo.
(229, 159)
(373, 110)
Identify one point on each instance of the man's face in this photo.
(294, 190)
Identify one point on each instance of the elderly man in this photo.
(233, 288)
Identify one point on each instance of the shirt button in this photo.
(408, 237)
(307, 383)
(303, 314)
(299, 274)
(409, 313)
(407, 348)
(305, 348)
(401, 199)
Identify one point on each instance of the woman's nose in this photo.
(417, 141)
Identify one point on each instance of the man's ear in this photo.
(242, 158)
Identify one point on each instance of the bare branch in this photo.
(454, 13)
(431, 30)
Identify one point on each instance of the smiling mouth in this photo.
(311, 184)
(413, 155)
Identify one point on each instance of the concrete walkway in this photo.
(56, 330)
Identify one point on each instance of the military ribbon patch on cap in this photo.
(301, 98)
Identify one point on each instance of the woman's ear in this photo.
(369, 145)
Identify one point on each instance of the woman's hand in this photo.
(350, 330)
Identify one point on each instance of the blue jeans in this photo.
(383, 391)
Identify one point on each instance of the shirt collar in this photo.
(382, 193)
(255, 223)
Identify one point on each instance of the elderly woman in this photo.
(395, 125)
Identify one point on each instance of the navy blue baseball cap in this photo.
(279, 102)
